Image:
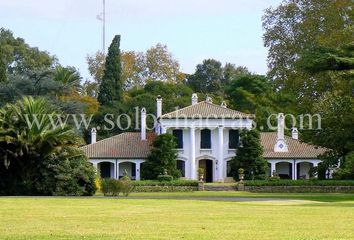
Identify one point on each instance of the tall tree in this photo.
(163, 157)
(19, 57)
(207, 77)
(96, 66)
(134, 71)
(111, 88)
(2, 68)
(231, 72)
(296, 26)
(336, 131)
(161, 66)
(249, 157)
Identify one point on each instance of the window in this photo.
(179, 137)
(205, 139)
(234, 139)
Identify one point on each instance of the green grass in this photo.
(180, 216)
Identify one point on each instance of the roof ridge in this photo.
(182, 108)
(206, 102)
(106, 139)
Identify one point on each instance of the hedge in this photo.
(300, 183)
(192, 183)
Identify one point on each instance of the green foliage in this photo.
(346, 171)
(43, 159)
(207, 77)
(284, 182)
(178, 182)
(336, 133)
(3, 76)
(179, 185)
(69, 80)
(328, 59)
(164, 178)
(19, 57)
(111, 87)
(127, 185)
(111, 187)
(162, 158)
(249, 157)
(295, 27)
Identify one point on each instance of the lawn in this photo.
(197, 215)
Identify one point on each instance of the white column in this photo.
(137, 171)
(315, 164)
(272, 168)
(117, 169)
(294, 170)
(220, 154)
(192, 154)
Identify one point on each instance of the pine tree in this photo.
(2, 69)
(111, 88)
(249, 157)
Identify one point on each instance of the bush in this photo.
(166, 178)
(112, 187)
(126, 185)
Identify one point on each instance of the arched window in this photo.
(205, 139)
(181, 166)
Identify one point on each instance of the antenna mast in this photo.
(102, 17)
(104, 27)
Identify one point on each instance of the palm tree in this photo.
(69, 79)
(28, 137)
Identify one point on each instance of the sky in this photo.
(193, 30)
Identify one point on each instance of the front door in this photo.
(207, 165)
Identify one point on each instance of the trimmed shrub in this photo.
(166, 178)
(179, 182)
(126, 185)
(283, 182)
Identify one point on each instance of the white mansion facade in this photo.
(207, 137)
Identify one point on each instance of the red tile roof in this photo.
(129, 145)
(296, 149)
(124, 145)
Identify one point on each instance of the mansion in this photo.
(207, 137)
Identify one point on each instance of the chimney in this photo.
(294, 133)
(223, 104)
(209, 99)
(93, 135)
(194, 98)
(281, 126)
(158, 106)
(280, 145)
(143, 124)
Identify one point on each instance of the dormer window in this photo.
(178, 134)
(205, 139)
(234, 139)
